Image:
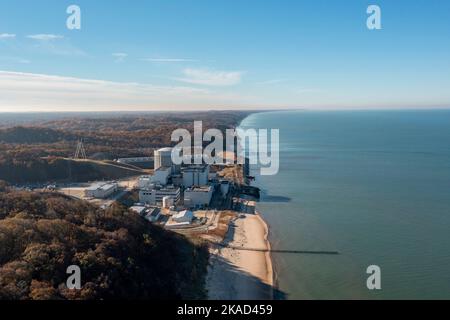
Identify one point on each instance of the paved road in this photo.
(203, 228)
(123, 167)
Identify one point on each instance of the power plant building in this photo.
(195, 175)
(161, 175)
(101, 190)
(155, 194)
(198, 196)
(144, 182)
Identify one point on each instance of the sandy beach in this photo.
(238, 274)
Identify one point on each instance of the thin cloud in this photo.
(272, 81)
(120, 56)
(31, 92)
(7, 36)
(168, 60)
(211, 77)
(14, 60)
(45, 37)
(54, 45)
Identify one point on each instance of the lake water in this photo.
(372, 185)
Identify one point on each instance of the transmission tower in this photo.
(80, 153)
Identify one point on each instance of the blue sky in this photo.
(223, 54)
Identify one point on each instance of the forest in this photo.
(121, 255)
(33, 151)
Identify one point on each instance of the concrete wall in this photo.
(199, 197)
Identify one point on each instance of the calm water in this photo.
(373, 185)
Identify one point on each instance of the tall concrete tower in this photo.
(163, 158)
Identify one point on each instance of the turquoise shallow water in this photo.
(373, 185)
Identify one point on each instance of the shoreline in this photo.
(235, 274)
(268, 253)
(270, 265)
(242, 274)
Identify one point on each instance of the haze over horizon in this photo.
(208, 55)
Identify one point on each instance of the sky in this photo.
(223, 54)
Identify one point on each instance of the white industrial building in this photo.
(139, 209)
(101, 190)
(155, 194)
(144, 182)
(195, 175)
(198, 196)
(185, 216)
(161, 175)
(151, 214)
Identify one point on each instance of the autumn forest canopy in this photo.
(34, 151)
(121, 255)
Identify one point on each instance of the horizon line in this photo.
(284, 109)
